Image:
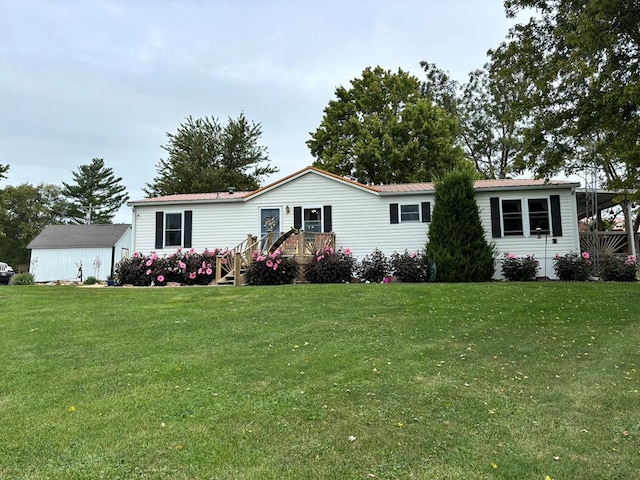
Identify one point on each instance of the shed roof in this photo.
(80, 236)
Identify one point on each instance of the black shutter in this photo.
(188, 222)
(426, 212)
(297, 217)
(393, 213)
(556, 220)
(496, 230)
(159, 230)
(326, 212)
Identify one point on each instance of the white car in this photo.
(6, 274)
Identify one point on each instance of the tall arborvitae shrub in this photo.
(457, 241)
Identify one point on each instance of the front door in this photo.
(270, 222)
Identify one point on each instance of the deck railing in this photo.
(607, 243)
(301, 245)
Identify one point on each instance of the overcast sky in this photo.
(81, 79)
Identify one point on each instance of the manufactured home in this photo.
(524, 217)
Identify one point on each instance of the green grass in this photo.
(463, 381)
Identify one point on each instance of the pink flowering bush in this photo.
(573, 266)
(330, 266)
(617, 268)
(184, 267)
(519, 269)
(412, 267)
(374, 267)
(271, 269)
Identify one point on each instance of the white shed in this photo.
(75, 252)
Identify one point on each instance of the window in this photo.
(410, 213)
(538, 216)
(173, 230)
(512, 217)
(312, 220)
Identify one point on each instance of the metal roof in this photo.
(400, 188)
(80, 236)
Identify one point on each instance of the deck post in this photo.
(236, 268)
(218, 269)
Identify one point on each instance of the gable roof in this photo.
(395, 189)
(80, 236)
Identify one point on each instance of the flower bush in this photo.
(188, 268)
(330, 266)
(271, 269)
(374, 268)
(411, 267)
(573, 266)
(614, 268)
(519, 269)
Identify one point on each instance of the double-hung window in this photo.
(173, 229)
(538, 215)
(410, 213)
(512, 217)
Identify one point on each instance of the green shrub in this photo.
(374, 267)
(573, 266)
(411, 267)
(457, 242)
(518, 269)
(615, 268)
(330, 266)
(271, 269)
(23, 279)
(91, 281)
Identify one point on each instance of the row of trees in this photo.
(94, 196)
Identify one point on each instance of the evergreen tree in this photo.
(205, 156)
(457, 242)
(96, 195)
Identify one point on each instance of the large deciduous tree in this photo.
(24, 212)
(96, 194)
(206, 156)
(381, 130)
(490, 129)
(582, 62)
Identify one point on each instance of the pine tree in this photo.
(457, 242)
(96, 195)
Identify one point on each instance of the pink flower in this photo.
(182, 265)
(320, 258)
(192, 275)
(275, 266)
(631, 259)
(585, 255)
(160, 278)
(149, 263)
(347, 251)
(148, 272)
(412, 255)
(136, 255)
(261, 258)
(208, 271)
(192, 251)
(510, 256)
(154, 256)
(269, 263)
